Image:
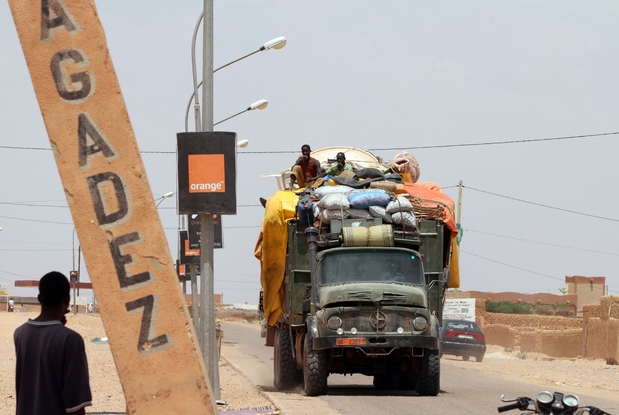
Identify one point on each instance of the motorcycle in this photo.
(548, 403)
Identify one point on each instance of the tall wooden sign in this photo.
(127, 256)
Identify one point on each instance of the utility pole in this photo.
(459, 204)
(207, 335)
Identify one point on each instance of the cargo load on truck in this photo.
(353, 276)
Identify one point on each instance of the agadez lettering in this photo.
(78, 88)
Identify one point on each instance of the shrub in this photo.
(507, 307)
(543, 311)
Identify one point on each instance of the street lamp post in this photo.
(206, 332)
(207, 335)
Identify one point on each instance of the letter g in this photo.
(79, 86)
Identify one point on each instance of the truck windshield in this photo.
(370, 266)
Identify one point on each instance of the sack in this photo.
(399, 204)
(334, 201)
(317, 210)
(359, 214)
(380, 212)
(363, 199)
(404, 219)
(328, 215)
(323, 191)
(406, 163)
(385, 185)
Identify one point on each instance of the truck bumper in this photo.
(331, 342)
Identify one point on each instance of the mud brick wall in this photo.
(528, 341)
(602, 338)
(501, 334)
(533, 321)
(561, 343)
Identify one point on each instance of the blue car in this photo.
(462, 338)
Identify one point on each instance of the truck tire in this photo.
(429, 378)
(479, 358)
(315, 370)
(285, 373)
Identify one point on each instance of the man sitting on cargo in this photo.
(306, 170)
(339, 167)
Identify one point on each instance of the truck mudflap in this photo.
(330, 342)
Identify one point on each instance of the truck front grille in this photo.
(362, 321)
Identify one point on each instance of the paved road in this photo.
(462, 392)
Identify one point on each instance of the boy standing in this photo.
(51, 375)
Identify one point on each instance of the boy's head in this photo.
(54, 289)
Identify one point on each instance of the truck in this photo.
(357, 296)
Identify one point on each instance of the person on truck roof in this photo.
(340, 166)
(305, 170)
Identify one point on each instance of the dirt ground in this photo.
(592, 377)
(107, 393)
(568, 375)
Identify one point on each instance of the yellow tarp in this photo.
(271, 251)
(454, 265)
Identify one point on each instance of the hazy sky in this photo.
(427, 76)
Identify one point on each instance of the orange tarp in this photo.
(431, 195)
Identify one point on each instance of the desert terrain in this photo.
(593, 377)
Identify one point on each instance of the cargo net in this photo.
(429, 209)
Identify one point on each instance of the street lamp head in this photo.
(242, 143)
(277, 43)
(164, 197)
(258, 105)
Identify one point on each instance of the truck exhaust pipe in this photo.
(312, 245)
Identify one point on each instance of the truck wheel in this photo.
(315, 370)
(285, 373)
(479, 358)
(465, 358)
(387, 382)
(429, 378)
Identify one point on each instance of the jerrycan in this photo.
(305, 210)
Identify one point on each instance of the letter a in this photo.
(88, 132)
(62, 18)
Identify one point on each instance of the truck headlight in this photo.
(334, 322)
(420, 323)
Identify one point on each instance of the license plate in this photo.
(350, 342)
(465, 336)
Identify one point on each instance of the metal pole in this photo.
(208, 341)
(459, 202)
(194, 299)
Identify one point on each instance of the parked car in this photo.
(462, 338)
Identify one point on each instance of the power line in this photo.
(542, 205)
(487, 143)
(519, 268)
(31, 204)
(542, 243)
(36, 220)
(513, 266)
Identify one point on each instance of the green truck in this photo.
(361, 297)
